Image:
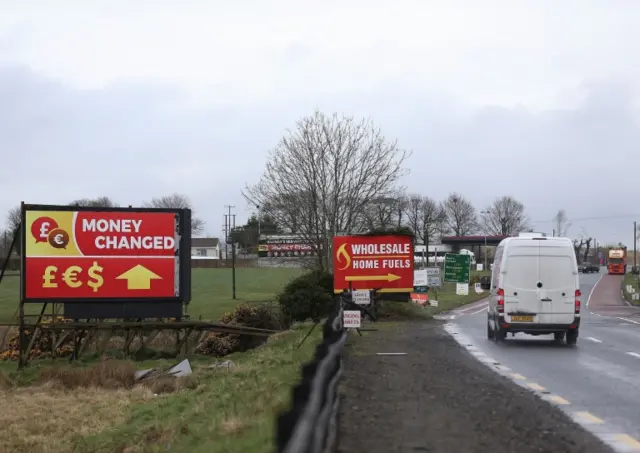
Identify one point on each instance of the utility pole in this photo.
(230, 222)
(635, 244)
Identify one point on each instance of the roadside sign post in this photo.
(104, 263)
(361, 297)
(383, 263)
(457, 268)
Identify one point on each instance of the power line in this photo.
(577, 219)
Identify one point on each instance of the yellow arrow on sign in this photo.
(138, 277)
(371, 278)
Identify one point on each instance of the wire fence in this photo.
(311, 425)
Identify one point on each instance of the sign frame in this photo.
(376, 278)
(468, 271)
(182, 255)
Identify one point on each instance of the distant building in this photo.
(205, 248)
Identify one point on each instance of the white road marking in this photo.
(592, 289)
(629, 442)
(629, 320)
(557, 399)
(595, 340)
(479, 311)
(391, 353)
(634, 354)
(473, 307)
(586, 417)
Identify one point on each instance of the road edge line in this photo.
(593, 289)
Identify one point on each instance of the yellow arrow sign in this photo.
(138, 277)
(372, 278)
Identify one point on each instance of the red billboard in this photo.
(98, 254)
(373, 262)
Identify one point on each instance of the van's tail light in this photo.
(577, 302)
(500, 300)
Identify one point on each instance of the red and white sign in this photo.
(373, 262)
(89, 254)
(124, 234)
(420, 298)
(351, 319)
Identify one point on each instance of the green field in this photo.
(210, 289)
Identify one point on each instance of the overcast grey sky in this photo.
(532, 98)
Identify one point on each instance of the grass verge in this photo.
(634, 281)
(446, 297)
(228, 410)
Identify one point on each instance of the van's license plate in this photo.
(522, 319)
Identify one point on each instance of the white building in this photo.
(205, 248)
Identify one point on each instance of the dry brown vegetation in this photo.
(72, 402)
(47, 419)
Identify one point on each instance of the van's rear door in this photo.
(521, 298)
(558, 280)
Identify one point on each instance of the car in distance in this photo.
(593, 268)
(588, 268)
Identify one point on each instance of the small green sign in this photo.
(457, 268)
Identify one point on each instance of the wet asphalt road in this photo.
(596, 382)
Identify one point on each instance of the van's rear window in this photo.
(555, 272)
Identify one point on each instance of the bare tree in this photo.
(100, 202)
(505, 217)
(561, 223)
(323, 174)
(14, 217)
(385, 212)
(460, 215)
(424, 217)
(587, 248)
(178, 201)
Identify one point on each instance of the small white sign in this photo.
(420, 278)
(434, 281)
(479, 267)
(432, 271)
(361, 297)
(351, 319)
(462, 289)
(478, 288)
(433, 303)
(635, 296)
(628, 288)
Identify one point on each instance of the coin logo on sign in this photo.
(58, 238)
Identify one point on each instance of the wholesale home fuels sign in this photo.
(457, 268)
(72, 254)
(373, 262)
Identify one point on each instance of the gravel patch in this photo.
(439, 398)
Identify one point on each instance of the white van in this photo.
(535, 289)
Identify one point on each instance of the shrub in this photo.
(259, 316)
(474, 279)
(308, 296)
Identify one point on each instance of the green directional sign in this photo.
(457, 268)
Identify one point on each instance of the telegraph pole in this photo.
(635, 244)
(230, 222)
